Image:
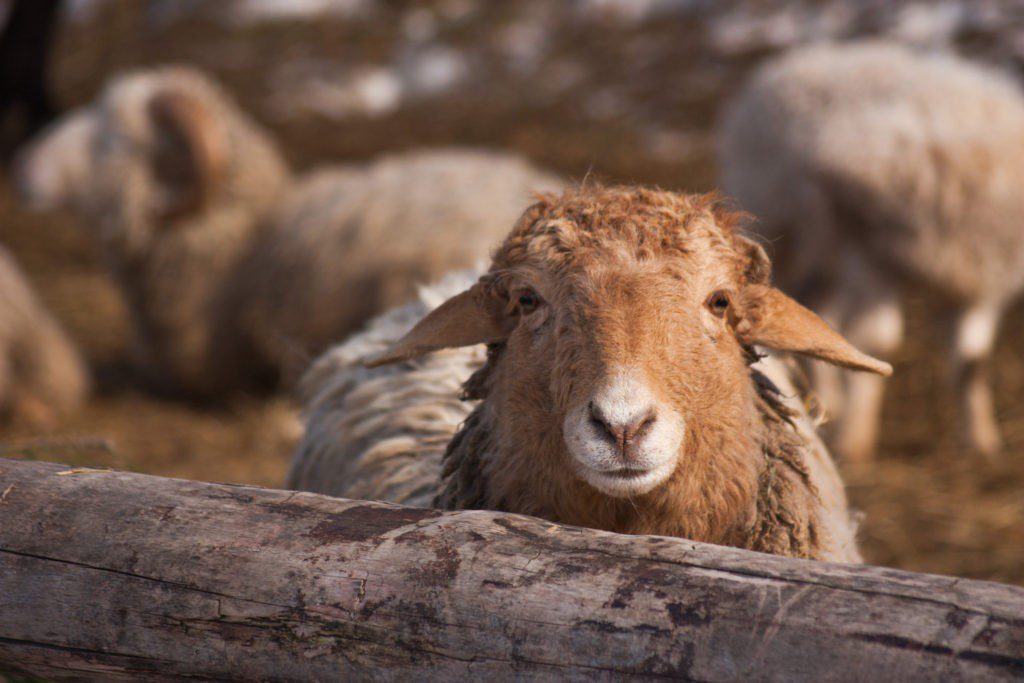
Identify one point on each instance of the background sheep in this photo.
(41, 375)
(879, 164)
(173, 182)
(356, 241)
(885, 165)
(617, 392)
(234, 272)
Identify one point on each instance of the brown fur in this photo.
(777, 515)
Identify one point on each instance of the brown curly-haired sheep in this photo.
(619, 391)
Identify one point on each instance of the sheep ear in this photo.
(472, 317)
(190, 152)
(757, 267)
(767, 317)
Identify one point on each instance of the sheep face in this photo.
(158, 149)
(620, 322)
(621, 367)
(120, 151)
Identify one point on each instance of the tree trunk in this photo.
(26, 45)
(110, 575)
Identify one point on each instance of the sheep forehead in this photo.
(595, 230)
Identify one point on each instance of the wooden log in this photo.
(112, 576)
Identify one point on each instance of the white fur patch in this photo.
(621, 399)
(886, 327)
(976, 332)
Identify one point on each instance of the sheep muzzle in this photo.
(623, 441)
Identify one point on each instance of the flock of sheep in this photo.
(620, 362)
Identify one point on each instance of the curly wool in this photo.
(381, 433)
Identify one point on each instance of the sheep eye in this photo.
(718, 303)
(528, 302)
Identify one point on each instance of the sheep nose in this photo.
(625, 434)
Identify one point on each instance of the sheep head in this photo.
(156, 150)
(621, 321)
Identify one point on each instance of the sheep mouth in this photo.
(625, 473)
(623, 482)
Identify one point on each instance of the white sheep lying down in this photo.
(410, 432)
(869, 164)
(236, 271)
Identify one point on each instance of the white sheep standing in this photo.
(868, 164)
(618, 390)
(235, 271)
(42, 376)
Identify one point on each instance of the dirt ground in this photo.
(929, 505)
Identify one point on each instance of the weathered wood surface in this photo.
(110, 576)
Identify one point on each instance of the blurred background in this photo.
(618, 90)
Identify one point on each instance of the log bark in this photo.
(114, 576)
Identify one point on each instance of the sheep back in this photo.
(351, 242)
(910, 156)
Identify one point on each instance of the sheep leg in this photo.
(877, 329)
(975, 333)
(873, 322)
(827, 379)
(864, 305)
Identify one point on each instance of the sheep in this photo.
(42, 377)
(236, 271)
(619, 388)
(879, 165)
(381, 432)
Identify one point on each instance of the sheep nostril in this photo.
(604, 427)
(638, 429)
(625, 436)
